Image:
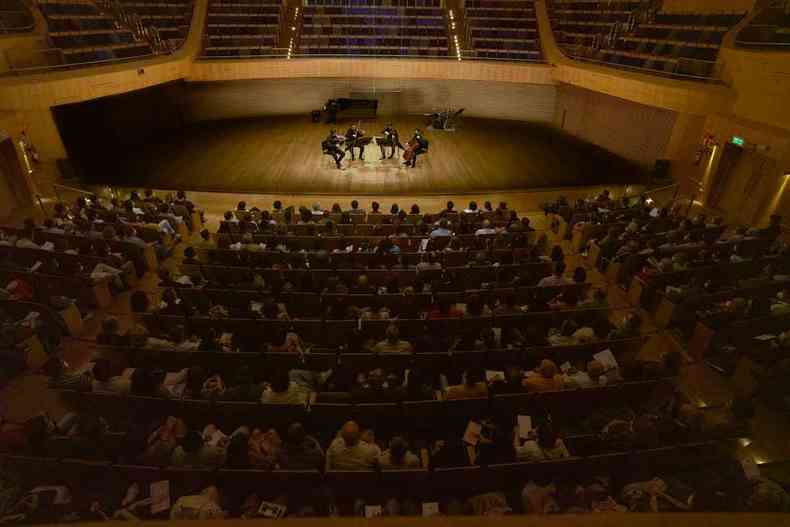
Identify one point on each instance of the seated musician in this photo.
(391, 139)
(353, 135)
(331, 146)
(419, 145)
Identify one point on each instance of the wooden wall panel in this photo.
(635, 131)
(222, 100)
(371, 69)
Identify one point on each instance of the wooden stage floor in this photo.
(283, 155)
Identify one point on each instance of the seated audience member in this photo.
(544, 378)
(473, 387)
(444, 309)
(599, 375)
(555, 278)
(292, 344)
(159, 445)
(542, 443)
(511, 383)
(264, 448)
(378, 386)
(398, 455)
(392, 342)
(208, 449)
(349, 451)
(245, 387)
(597, 300)
(578, 377)
(104, 381)
(282, 390)
(486, 230)
(301, 451)
(442, 230)
(203, 506)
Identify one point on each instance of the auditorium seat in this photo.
(769, 29)
(83, 33)
(503, 29)
(400, 28)
(15, 17)
(169, 18)
(634, 36)
(242, 28)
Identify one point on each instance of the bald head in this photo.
(350, 433)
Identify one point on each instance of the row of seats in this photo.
(15, 17)
(503, 30)
(170, 18)
(683, 45)
(373, 29)
(242, 29)
(770, 28)
(84, 33)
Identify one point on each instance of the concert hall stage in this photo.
(283, 155)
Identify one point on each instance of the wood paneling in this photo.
(635, 131)
(371, 69)
(500, 100)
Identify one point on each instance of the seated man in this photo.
(473, 387)
(392, 342)
(292, 387)
(555, 278)
(349, 451)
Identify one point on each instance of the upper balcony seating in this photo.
(401, 28)
(242, 28)
(15, 17)
(171, 18)
(585, 23)
(503, 29)
(770, 28)
(83, 33)
(665, 43)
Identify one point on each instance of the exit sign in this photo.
(737, 140)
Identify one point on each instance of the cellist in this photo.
(416, 146)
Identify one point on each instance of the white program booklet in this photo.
(524, 426)
(606, 358)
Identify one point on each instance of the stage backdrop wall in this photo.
(499, 100)
(635, 131)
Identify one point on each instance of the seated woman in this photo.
(542, 444)
(398, 456)
(544, 378)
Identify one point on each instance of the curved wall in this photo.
(250, 98)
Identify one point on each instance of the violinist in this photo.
(390, 138)
(353, 136)
(331, 147)
(418, 145)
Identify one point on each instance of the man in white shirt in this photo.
(486, 229)
(555, 278)
(349, 452)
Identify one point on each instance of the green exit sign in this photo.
(737, 140)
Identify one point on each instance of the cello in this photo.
(411, 147)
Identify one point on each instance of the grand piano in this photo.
(353, 108)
